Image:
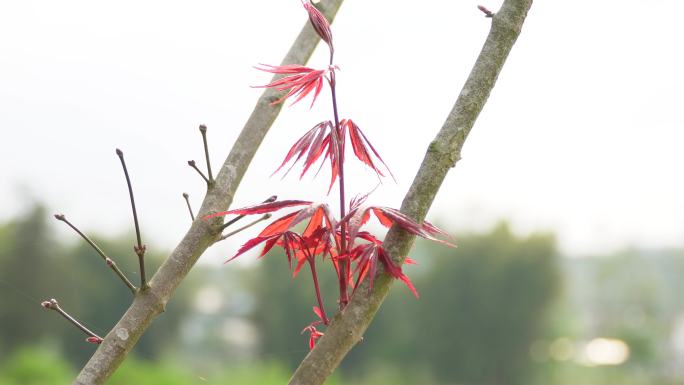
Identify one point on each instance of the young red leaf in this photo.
(366, 257)
(314, 143)
(251, 244)
(320, 24)
(384, 220)
(261, 208)
(300, 147)
(356, 219)
(388, 216)
(395, 271)
(365, 235)
(361, 144)
(300, 81)
(359, 200)
(314, 334)
(318, 312)
(321, 144)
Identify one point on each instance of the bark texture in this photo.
(347, 328)
(150, 302)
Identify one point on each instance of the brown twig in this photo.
(192, 164)
(187, 201)
(139, 248)
(52, 304)
(108, 261)
(203, 130)
(254, 222)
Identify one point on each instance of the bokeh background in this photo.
(566, 207)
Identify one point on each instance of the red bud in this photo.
(94, 340)
(319, 23)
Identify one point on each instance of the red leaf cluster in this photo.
(310, 233)
(325, 140)
(322, 236)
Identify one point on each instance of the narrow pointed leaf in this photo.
(261, 208)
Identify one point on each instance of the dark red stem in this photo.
(343, 263)
(312, 265)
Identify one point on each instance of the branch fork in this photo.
(210, 178)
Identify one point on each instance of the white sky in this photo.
(582, 134)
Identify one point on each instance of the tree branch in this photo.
(347, 327)
(150, 303)
(112, 265)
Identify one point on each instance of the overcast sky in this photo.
(582, 134)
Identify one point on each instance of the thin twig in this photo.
(107, 260)
(192, 164)
(203, 130)
(139, 249)
(272, 198)
(187, 201)
(54, 305)
(263, 218)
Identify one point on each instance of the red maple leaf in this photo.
(278, 232)
(321, 139)
(261, 208)
(324, 140)
(314, 334)
(300, 81)
(361, 146)
(358, 217)
(367, 256)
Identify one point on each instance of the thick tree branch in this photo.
(150, 303)
(347, 328)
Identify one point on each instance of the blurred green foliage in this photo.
(488, 313)
(34, 366)
(481, 307)
(34, 267)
